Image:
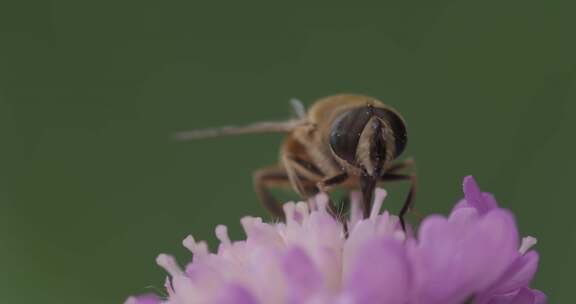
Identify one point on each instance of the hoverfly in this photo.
(346, 141)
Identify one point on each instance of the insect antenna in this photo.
(298, 108)
(259, 127)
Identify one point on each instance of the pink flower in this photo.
(473, 256)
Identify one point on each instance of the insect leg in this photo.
(265, 178)
(331, 181)
(301, 173)
(401, 166)
(409, 202)
(304, 177)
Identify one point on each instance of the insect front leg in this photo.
(409, 202)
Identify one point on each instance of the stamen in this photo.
(197, 248)
(527, 243)
(355, 208)
(246, 223)
(302, 208)
(312, 203)
(168, 286)
(289, 210)
(250, 225)
(322, 201)
(380, 195)
(222, 235)
(189, 242)
(169, 264)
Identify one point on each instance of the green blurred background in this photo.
(92, 188)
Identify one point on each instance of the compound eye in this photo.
(396, 124)
(346, 130)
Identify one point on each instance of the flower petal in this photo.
(380, 273)
(524, 296)
(473, 197)
(302, 276)
(468, 252)
(236, 294)
(539, 297)
(144, 299)
(521, 296)
(519, 274)
(309, 258)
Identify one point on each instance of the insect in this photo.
(347, 141)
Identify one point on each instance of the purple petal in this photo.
(235, 294)
(434, 257)
(519, 274)
(468, 252)
(461, 204)
(144, 299)
(472, 190)
(539, 297)
(524, 296)
(380, 273)
(502, 299)
(302, 276)
(473, 197)
(490, 248)
(489, 201)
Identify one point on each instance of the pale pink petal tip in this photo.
(144, 299)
